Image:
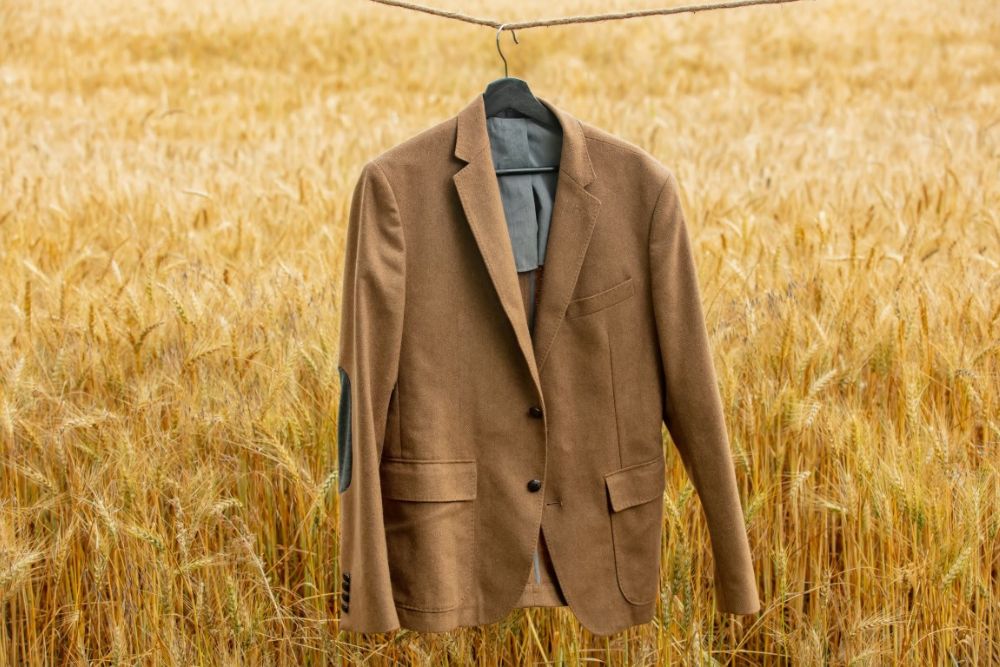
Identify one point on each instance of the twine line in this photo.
(519, 25)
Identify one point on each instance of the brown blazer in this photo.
(466, 436)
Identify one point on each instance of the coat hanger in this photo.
(510, 92)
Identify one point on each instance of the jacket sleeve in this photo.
(692, 407)
(371, 321)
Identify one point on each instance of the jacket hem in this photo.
(454, 619)
(541, 595)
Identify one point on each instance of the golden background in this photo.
(174, 189)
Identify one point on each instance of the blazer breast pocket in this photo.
(599, 301)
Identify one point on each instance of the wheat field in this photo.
(174, 189)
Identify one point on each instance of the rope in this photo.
(579, 19)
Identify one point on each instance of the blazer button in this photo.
(534, 485)
(346, 577)
(344, 607)
(535, 411)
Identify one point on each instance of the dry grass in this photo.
(174, 186)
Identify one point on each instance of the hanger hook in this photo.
(514, 35)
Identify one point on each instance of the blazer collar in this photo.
(574, 215)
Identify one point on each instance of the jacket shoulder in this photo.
(625, 153)
(623, 162)
(432, 141)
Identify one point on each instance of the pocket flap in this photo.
(636, 484)
(428, 480)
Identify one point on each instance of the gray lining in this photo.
(527, 198)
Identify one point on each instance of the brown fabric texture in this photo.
(458, 401)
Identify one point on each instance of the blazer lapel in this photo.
(574, 214)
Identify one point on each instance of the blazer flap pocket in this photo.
(428, 480)
(636, 484)
(600, 300)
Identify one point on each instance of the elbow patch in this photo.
(344, 432)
